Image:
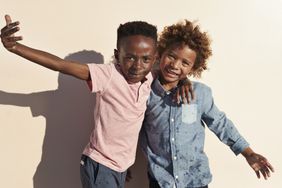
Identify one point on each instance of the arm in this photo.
(219, 124)
(228, 134)
(10, 42)
(258, 163)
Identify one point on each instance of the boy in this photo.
(172, 135)
(121, 91)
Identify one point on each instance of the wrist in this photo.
(13, 48)
(247, 152)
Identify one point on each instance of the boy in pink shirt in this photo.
(121, 88)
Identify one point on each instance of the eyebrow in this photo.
(173, 52)
(143, 55)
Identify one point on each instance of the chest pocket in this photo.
(189, 113)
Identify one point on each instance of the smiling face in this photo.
(136, 55)
(175, 64)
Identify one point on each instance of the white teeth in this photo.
(171, 72)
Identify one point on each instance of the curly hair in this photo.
(136, 28)
(187, 33)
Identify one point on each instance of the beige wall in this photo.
(45, 118)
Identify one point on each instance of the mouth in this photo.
(171, 73)
(135, 74)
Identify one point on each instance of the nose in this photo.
(137, 63)
(174, 64)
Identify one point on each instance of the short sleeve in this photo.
(100, 75)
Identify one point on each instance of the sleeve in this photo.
(218, 123)
(100, 75)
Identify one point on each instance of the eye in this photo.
(171, 56)
(185, 63)
(130, 58)
(147, 59)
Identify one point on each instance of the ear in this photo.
(116, 54)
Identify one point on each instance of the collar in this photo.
(159, 90)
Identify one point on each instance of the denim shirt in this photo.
(172, 137)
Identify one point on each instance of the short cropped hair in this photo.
(136, 28)
(187, 33)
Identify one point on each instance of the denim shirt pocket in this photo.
(189, 113)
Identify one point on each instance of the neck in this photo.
(167, 85)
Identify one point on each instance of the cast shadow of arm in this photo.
(68, 111)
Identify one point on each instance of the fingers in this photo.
(9, 27)
(269, 166)
(8, 19)
(189, 94)
(9, 32)
(266, 168)
(189, 91)
(258, 170)
(258, 174)
(184, 95)
(7, 35)
(263, 167)
(177, 96)
(265, 173)
(14, 39)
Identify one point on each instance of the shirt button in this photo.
(172, 119)
(176, 177)
(174, 157)
(172, 139)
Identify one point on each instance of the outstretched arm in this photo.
(258, 163)
(10, 42)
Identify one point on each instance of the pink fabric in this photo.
(118, 116)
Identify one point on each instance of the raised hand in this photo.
(45, 59)
(7, 35)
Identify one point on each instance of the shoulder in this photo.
(199, 87)
(101, 71)
(203, 92)
(100, 66)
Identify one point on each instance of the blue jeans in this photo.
(96, 175)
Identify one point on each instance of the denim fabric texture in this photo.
(173, 136)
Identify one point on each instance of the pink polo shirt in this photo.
(118, 116)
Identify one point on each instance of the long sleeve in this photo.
(218, 123)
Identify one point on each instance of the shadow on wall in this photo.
(68, 111)
(138, 172)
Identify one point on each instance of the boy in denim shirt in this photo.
(173, 135)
